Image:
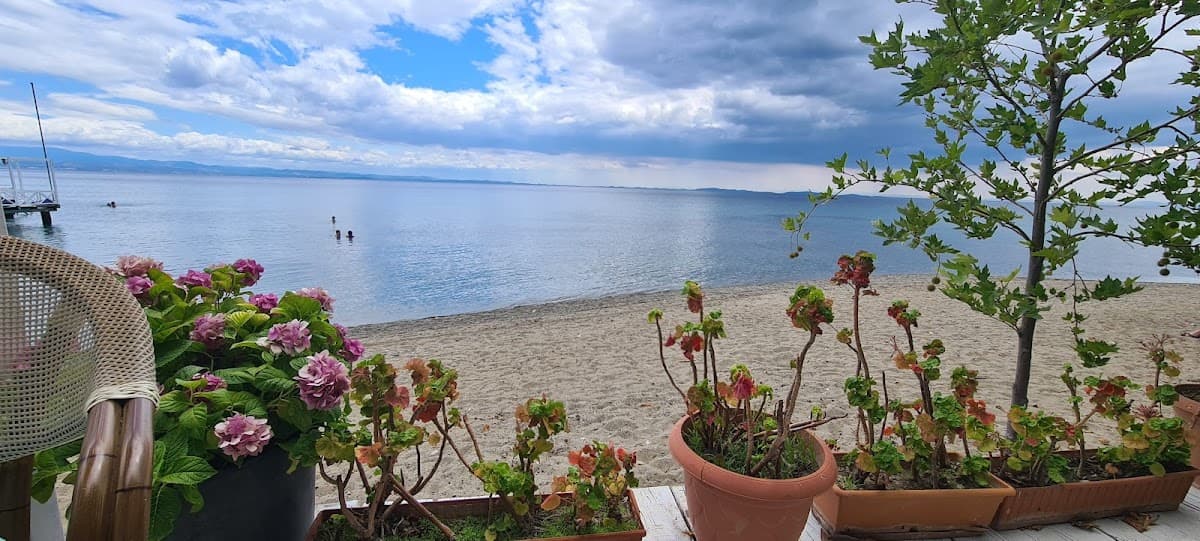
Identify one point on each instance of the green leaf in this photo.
(164, 508)
(294, 412)
(191, 494)
(195, 421)
(1157, 469)
(273, 380)
(187, 470)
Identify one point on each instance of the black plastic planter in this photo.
(255, 502)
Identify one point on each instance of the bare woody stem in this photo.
(408, 497)
(663, 357)
(793, 393)
(858, 349)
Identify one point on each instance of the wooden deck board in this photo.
(1181, 525)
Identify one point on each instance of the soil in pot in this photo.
(898, 513)
(1096, 495)
(468, 520)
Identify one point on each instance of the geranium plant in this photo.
(1147, 442)
(735, 424)
(239, 372)
(905, 444)
(398, 421)
(598, 480)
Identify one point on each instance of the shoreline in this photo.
(633, 295)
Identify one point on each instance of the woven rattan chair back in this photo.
(71, 338)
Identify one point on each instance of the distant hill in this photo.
(70, 160)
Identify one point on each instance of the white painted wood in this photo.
(661, 515)
(681, 502)
(1181, 525)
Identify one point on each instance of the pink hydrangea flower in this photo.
(265, 302)
(352, 349)
(250, 268)
(209, 329)
(323, 381)
(212, 382)
(194, 278)
(292, 338)
(242, 435)
(319, 295)
(132, 265)
(341, 330)
(138, 285)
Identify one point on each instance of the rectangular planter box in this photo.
(464, 507)
(1087, 500)
(908, 514)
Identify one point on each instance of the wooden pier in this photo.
(31, 188)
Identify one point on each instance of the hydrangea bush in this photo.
(238, 371)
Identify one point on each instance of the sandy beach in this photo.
(599, 357)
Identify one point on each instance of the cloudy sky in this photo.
(748, 94)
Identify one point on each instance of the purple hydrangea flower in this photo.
(212, 382)
(132, 265)
(138, 285)
(341, 330)
(250, 268)
(352, 349)
(318, 294)
(209, 329)
(242, 435)
(265, 302)
(292, 338)
(323, 381)
(194, 278)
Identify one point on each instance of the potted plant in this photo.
(901, 480)
(1187, 408)
(398, 423)
(248, 383)
(749, 471)
(1146, 471)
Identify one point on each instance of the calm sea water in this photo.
(427, 248)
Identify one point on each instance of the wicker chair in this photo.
(76, 359)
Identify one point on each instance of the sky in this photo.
(745, 94)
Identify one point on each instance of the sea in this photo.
(431, 248)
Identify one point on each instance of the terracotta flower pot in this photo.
(1189, 410)
(453, 508)
(1087, 500)
(909, 514)
(726, 506)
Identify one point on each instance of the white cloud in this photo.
(95, 108)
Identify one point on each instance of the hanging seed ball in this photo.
(1053, 291)
(1173, 225)
(793, 255)
(799, 249)
(930, 287)
(1164, 262)
(936, 280)
(1164, 271)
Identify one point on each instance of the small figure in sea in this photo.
(337, 233)
(350, 235)
(333, 219)
(112, 204)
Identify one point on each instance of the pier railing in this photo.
(31, 185)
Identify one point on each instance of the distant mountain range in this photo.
(70, 160)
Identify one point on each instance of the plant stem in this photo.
(446, 531)
(793, 393)
(663, 357)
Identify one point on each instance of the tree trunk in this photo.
(1037, 241)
